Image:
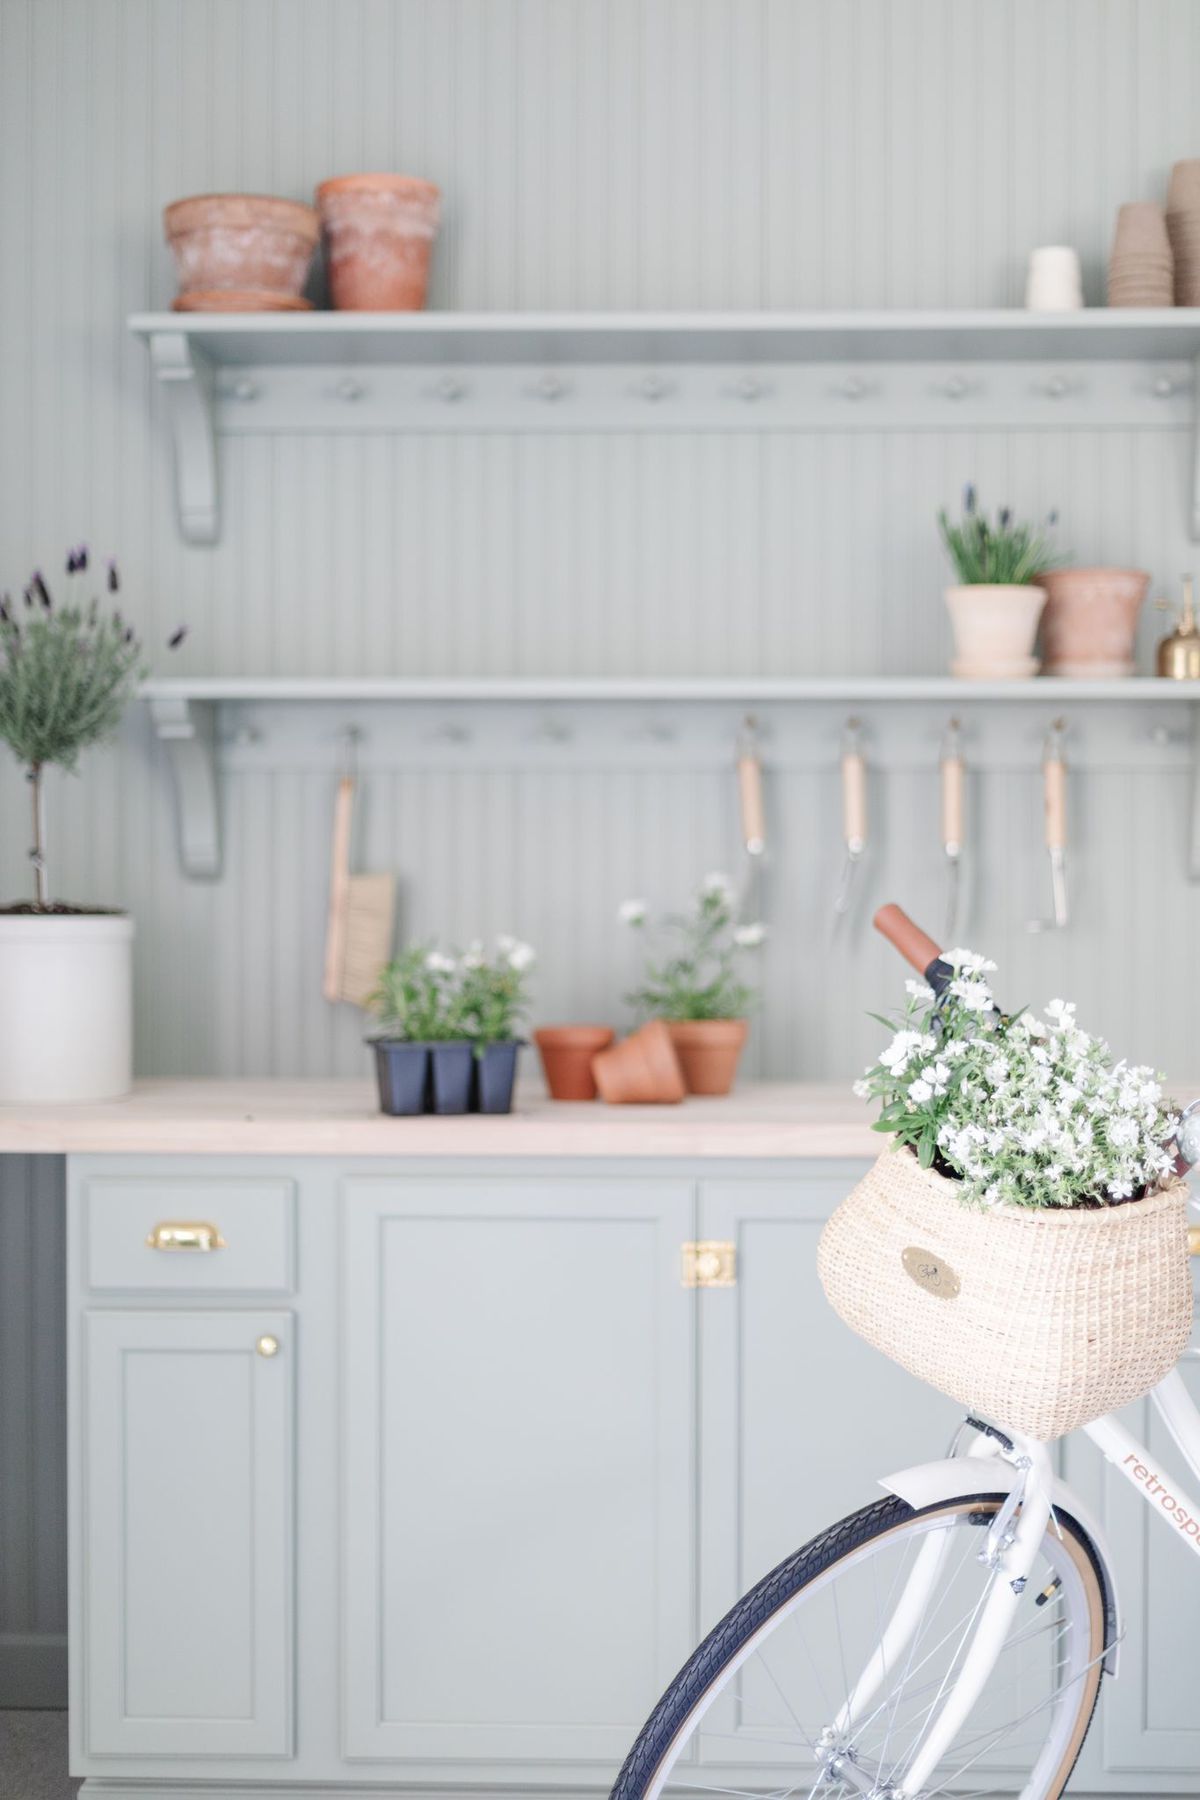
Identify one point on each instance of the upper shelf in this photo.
(663, 372)
(271, 339)
(735, 689)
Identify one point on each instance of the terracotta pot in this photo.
(1090, 620)
(642, 1069)
(708, 1052)
(242, 241)
(566, 1052)
(994, 630)
(379, 232)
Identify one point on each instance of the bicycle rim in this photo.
(759, 1708)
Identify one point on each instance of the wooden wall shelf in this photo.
(747, 372)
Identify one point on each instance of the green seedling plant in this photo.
(696, 975)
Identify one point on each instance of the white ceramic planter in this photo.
(66, 1007)
(995, 629)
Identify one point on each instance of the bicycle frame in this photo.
(1011, 1549)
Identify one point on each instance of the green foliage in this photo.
(66, 674)
(427, 997)
(696, 977)
(1004, 554)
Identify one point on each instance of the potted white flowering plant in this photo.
(447, 1037)
(693, 982)
(67, 670)
(1022, 1243)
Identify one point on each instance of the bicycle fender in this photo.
(956, 1476)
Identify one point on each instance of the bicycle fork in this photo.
(1009, 1552)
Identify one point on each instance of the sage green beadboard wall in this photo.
(594, 153)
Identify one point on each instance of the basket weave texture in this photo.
(1041, 1319)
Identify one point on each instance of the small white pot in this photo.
(66, 1006)
(995, 628)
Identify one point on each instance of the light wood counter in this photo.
(340, 1118)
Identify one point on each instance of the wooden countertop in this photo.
(340, 1118)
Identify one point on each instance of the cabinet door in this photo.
(519, 1465)
(799, 1417)
(187, 1533)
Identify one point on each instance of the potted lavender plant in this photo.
(995, 608)
(66, 673)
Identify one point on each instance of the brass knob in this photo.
(267, 1345)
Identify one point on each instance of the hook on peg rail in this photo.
(748, 388)
(349, 389)
(449, 388)
(1057, 388)
(549, 386)
(450, 731)
(853, 388)
(652, 387)
(955, 387)
(245, 389)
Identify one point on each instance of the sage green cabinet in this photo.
(187, 1539)
(519, 1455)
(502, 1472)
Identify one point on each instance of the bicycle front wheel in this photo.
(792, 1696)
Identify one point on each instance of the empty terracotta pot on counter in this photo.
(247, 248)
(379, 232)
(566, 1052)
(708, 1052)
(1090, 621)
(641, 1070)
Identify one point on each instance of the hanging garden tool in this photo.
(854, 814)
(1054, 805)
(953, 779)
(362, 908)
(753, 815)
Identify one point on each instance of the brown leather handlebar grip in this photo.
(913, 944)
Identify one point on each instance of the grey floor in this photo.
(33, 1757)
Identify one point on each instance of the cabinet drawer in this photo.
(189, 1235)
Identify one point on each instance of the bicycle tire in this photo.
(707, 1665)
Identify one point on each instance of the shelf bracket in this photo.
(187, 731)
(187, 383)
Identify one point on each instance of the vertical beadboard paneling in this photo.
(593, 153)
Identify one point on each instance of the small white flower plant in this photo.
(1021, 1110)
(696, 975)
(426, 996)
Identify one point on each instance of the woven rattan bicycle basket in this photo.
(1039, 1319)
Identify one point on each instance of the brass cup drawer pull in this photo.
(185, 1234)
(1194, 1240)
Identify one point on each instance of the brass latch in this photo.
(708, 1263)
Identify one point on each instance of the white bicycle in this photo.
(949, 1639)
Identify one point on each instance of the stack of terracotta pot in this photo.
(252, 252)
(1183, 224)
(658, 1064)
(1141, 268)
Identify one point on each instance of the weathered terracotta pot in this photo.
(643, 1069)
(995, 628)
(566, 1052)
(708, 1052)
(379, 232)
(226, 243)
(1090, 621)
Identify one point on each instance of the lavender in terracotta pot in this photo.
(998, 601)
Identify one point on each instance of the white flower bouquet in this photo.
(1022, 1243)
(1021, 1110)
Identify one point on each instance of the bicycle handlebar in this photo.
(915, 945)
